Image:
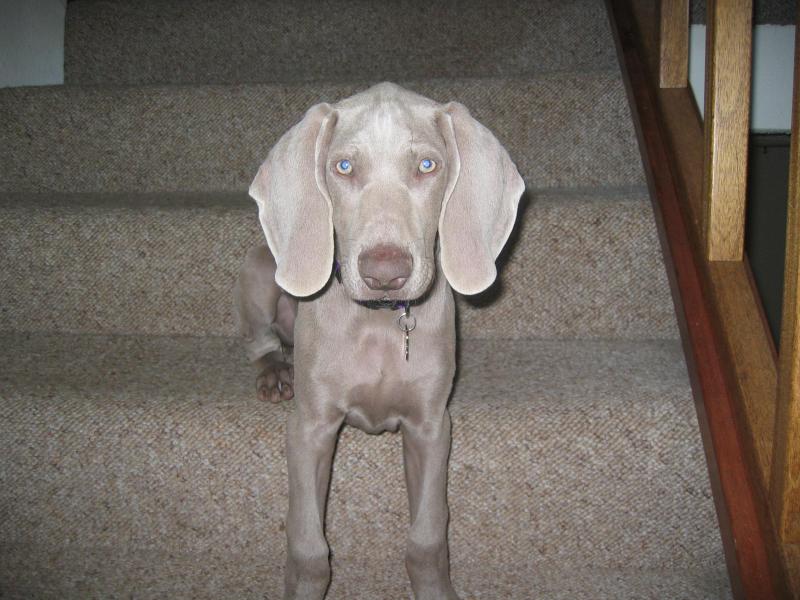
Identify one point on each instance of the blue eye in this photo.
(426, 165)
(344, 166)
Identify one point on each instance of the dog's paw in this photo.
(276, 381)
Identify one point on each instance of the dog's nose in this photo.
(385, 267)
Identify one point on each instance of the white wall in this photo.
(773, 72)
(32, 42)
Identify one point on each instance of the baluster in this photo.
(674, 44)
(727, 115)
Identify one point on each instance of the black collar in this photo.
(391, 304)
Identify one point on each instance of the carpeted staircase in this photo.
(135, 461)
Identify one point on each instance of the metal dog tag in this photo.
(407, 324)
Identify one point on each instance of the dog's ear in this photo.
(480, 201)
(293, 203)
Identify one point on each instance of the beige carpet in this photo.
(143, 465)
(563, 130)
(113, 42)
(166, 263)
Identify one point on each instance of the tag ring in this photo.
(407, 322)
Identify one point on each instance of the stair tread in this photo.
(566, 129)
(152, 574)
(156, 40)
(96, 364)
(583, 453)
(582, 263)
(240, 200)
(127, 200)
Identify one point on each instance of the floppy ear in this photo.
(293, 203)
(480, 201)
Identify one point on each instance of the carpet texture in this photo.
(119, 42)
(166, 264)
(135, 463)
(566, 130)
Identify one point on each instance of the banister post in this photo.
(785, 478)
(673, 69)
(727, 116)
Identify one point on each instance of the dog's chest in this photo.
(382, 387)
(362, 368)
(353, 358)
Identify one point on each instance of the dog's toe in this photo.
(274, 384)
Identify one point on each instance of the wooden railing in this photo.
(785, 480)
(747, 392)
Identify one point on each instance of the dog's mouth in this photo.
(383, 298)
(416, 285)
(408, 295)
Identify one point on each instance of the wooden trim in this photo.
(748, 343)
(753, 560)
(785, 492)
(747, 336)
(674, 44)
(727, 123)
(737, 303)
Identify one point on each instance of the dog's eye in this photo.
(344, 166)
(426, 165)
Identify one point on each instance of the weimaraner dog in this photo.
(351, 200)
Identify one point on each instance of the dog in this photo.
(374, 210)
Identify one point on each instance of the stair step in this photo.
(115, 42)
(563, 130)
(581, 264)
(144, 465)
(78, 574)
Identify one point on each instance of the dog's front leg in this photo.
(310, 443)
(426, 448)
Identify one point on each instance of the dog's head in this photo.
(382, 173)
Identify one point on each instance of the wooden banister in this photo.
(785, 488)
(727, 116)
(749, 414)
(674, 44)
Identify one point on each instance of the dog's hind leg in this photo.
(265, 317)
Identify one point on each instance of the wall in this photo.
(32, 42)
(773, 60)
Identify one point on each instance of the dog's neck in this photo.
(406, 322)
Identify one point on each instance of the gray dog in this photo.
(351, 200)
